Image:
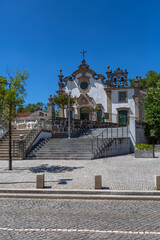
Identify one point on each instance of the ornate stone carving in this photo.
(117, 79)
(84, 78)
(84, 100)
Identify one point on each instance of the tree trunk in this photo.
(10, 145)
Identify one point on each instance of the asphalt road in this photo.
(77, 219)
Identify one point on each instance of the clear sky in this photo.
(44, 36)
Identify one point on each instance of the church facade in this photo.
(110, 98)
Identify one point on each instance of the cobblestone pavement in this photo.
(67, 220)
(118, 173)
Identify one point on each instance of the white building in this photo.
(113, 99)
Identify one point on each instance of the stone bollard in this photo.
(98, 182)
(157, 182)
(40, 181)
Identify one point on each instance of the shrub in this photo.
(143, 146)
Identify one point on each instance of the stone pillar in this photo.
(136, 97)
(21, 147)
(157, 182)
(118, 81)
(61, 112)
(98, 182)
(109, 104)
(51, 108)
(40, 181)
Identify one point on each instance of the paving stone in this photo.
(118, 173)
(45, 219)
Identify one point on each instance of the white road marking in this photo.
(78, 230)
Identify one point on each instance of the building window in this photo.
(122, 97)
(84, 85)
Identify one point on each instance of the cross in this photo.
(83, 53)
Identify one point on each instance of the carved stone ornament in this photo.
(118, 78)
(84, 68)
(84, 100)
(84, 79)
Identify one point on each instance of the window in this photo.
(122, 96)
(84, 85)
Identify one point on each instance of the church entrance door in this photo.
(123, 116)
(83, 114)
(99, 115)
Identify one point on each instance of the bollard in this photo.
(157, 182)
(40, 181)
(98, 182)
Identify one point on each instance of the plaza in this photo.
(118, 173)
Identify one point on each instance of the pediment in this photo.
(84, 99)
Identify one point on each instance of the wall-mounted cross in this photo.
(83, 53)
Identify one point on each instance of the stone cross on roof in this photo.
(83, 53)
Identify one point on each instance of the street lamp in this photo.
(69, 117)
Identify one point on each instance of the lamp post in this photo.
(69, 117)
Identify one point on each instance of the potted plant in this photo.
(144, 151)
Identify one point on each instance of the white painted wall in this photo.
(96, 90)
(130, 104)
(42, 135)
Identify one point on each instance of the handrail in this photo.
(4, 127)
(40, 125)
(109, 134)
(25, 143)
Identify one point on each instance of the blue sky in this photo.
(44, 36)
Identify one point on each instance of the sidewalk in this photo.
(118, 173)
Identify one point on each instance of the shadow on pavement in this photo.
(52, 169)
(60, 181)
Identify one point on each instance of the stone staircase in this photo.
(63, 148)
(80, 147)
(4, 143)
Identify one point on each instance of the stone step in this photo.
(63, 154)
(56, 151)
(60, 158)
(4, 144)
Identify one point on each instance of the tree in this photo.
(151, 80)
(89, 109)
(62, 101)
(152, 112)
(32, 107)
(12, 94)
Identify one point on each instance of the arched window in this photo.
(115, 82)
(122, 81)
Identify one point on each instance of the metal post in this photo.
(111, 131)
(69, 119)
(102, 137)
(122, 131)
(117, 131)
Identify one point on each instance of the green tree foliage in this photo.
(90, 110)
(152, 112)
(33, 107)
(62, 101)
(12, 94)
(151, 80)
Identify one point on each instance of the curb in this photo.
(80, 194)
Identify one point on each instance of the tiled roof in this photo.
(24, 114)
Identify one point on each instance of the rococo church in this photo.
(111, 95)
